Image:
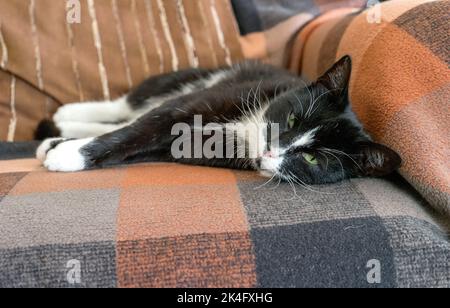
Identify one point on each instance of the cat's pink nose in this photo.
(269, 154)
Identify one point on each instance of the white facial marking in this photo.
(252, 128)
(66, 157)
(270, 164)
(306, 139)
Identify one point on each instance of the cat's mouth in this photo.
(269, 164)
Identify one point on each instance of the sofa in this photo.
(168, 225)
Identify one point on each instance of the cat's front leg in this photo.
(65, 155)
(70, 155)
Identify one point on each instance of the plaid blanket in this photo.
(164, 225)
(401, 81)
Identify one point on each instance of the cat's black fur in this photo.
(340, 146)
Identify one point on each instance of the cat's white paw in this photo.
(72, 112)
(67, 157)
(45, 146)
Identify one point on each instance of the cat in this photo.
(319, 139)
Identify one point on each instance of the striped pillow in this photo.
(45, 61)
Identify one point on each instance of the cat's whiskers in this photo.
(328, 161)
(311, 106)
(345, 154)
(338, 159)
(276, 90)
(289, 180)
(313, 110)
(278, 184)
(241, 110)
(306, 186)
(247, 102)
(311, 98)
(257, 98)
(255, 107)
(291, 183)
(266, 183)
(301, 104)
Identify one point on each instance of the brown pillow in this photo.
(46, 61)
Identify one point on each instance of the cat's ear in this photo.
(376, 160)
(337, 78)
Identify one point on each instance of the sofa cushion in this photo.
(45, 61)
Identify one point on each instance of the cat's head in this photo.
(320, 139)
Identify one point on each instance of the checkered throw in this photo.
(166, 225)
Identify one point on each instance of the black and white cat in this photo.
(319, 138)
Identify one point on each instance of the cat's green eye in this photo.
(292, 121)
(310, 159)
